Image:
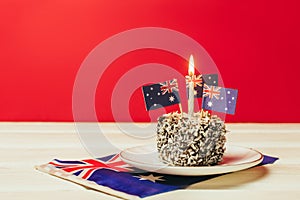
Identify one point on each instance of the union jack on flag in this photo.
(169, 86)
(197, 80)
(85, 168)
(211, 91)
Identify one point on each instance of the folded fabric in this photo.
(111, 175)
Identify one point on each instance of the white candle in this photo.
(191, 86)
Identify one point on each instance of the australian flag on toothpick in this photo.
(161, 94)
(200, 80)
(219, 99)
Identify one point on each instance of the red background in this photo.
(255, 45)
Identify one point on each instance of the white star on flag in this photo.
(171, 98)
(150, 177)
(209, 104)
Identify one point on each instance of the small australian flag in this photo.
(161, 94)
(208, 79)
(219, 99)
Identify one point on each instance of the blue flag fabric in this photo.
(161, 94)
(111, 175)
(208, 79)
(219, 99)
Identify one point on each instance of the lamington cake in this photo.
(197, 140)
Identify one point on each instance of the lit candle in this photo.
(191, 86)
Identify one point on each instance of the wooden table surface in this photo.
(24, 145)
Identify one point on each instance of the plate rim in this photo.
(247, 164)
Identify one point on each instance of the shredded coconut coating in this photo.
(191, 141)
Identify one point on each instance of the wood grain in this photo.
(24, 145)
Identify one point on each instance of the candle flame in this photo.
(191, 66)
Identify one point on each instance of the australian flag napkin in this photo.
(111, 175)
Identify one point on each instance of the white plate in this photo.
(235, 158)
